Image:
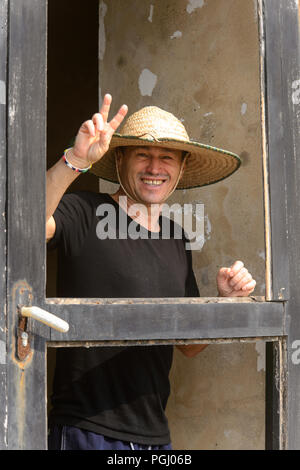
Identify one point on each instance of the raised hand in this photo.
(235, 281)
(94, 136)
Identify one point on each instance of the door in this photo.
(113, 321)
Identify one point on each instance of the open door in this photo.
(165, 321)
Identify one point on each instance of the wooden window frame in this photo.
(275, 319)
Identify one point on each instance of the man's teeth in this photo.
(155, 182)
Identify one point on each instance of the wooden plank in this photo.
(3, 78)
(276, 412)
(171, 319)
(266, 193)
(26, 191)
(283, 90)
(277, 147)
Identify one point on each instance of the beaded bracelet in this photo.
(78, 170)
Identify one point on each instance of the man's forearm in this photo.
(91, 143)
(59, 177)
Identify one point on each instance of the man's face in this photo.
(149, 173)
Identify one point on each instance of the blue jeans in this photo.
(72, 438)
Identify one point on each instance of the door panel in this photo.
(26, 133)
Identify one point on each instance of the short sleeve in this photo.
(73, 218)
(191, 288)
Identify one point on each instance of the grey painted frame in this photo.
(3, 100)
(282, 92)
(131, 321)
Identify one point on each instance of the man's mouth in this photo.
(153, 182)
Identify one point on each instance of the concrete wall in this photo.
(199, 59)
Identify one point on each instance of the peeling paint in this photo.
(12, 110)
(296, 93)
(207, 227)
(260, 347)
(6, 418)
(177, 34)
(147, 82)
(102, 37)
(2, 352)
(150, 17)
(2, 92)
(281, 293)
(193, 5)
(244, 108)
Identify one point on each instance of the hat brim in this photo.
(205, 165)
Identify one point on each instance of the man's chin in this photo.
(149, 199)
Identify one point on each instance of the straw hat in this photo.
(154, 126)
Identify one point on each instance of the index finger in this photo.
(235, 268)
(104, 111)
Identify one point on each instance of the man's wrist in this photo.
(76, 161)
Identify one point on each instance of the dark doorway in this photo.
(72, 97)
(72, 91)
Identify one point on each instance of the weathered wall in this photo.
(199, 59)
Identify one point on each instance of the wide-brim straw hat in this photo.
(154, 126)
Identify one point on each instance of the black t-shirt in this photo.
(120, 392)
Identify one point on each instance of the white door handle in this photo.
(45, 317)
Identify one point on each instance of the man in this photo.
(115, 397)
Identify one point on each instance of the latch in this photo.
(23, 338)
(23, 334)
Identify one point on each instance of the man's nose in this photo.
(154, 165)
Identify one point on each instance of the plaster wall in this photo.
(199, 59)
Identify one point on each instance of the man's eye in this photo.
(143, 155)
(167, 157)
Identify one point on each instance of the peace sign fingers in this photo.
(117, 119)
(104, 111)
(94, 136)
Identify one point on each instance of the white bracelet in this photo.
(78, 170)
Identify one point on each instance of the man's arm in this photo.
(235, 281)
(91, 143)
(58, 179)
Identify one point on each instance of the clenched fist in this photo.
(235, 281)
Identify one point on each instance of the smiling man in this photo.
(150, 173)
(115, 397)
